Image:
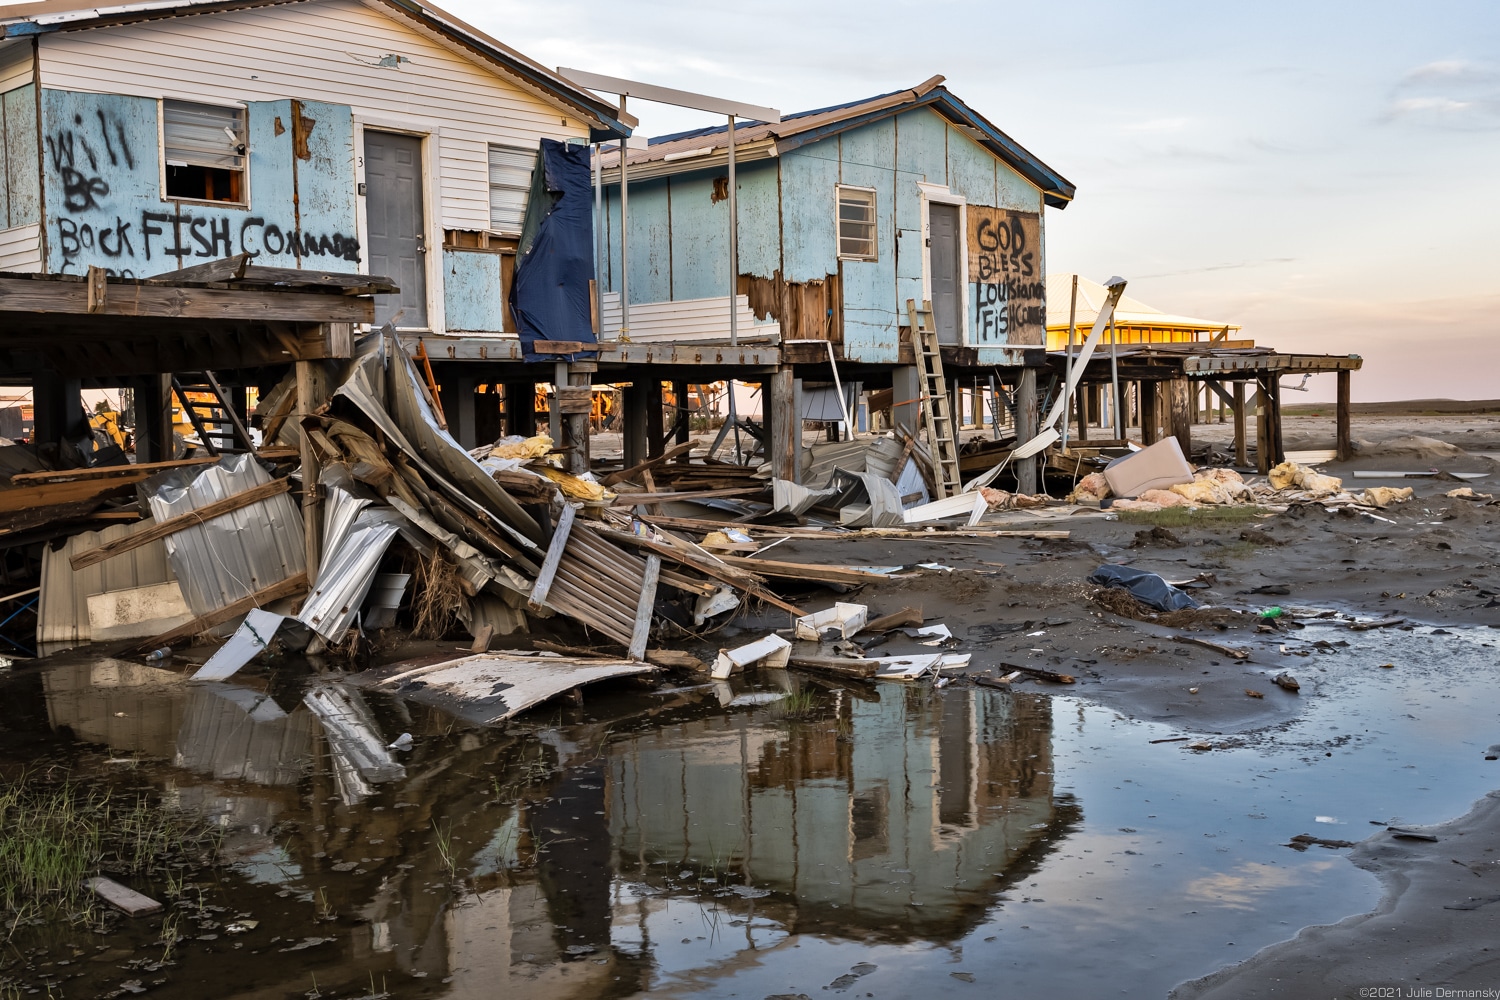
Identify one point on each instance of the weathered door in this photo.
(393, 214)
(947, 297)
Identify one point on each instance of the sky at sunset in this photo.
(1325, 174)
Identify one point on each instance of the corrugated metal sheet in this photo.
(63, 613)
(237, 734)
(345, 574)
(599, 583)
(234, 555)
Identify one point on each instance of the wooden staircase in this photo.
(937, 407)
(202, 399)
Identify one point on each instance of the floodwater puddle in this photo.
(710, 841)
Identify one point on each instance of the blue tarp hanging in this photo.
(549, 295)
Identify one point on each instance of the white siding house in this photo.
(120, 164)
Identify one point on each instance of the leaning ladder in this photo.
(219, 427)
(937, 411)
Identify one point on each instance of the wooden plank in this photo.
(548, 572)
(122, 897)
(1344, 444)
(655, 498)
(1241, 455)
(804, 571)
(144, 470)
(172, 525)
(569, 347)
(130, 299)
(286, 588)
(98, 288)
(223, 269)
(706, 566)
(645, 607)
(650, 463)
(1230, 651)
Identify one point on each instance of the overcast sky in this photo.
(1325, 174)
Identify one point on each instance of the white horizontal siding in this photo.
(21, 248)
(323, 50)
(15, 64)
(695, 320)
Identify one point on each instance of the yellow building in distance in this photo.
(1135, 322)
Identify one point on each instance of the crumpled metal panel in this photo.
(346, 572)
(62, 608)
(236, 554)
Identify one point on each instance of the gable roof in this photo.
(607, 122)
(1130, 313)
(703, 147)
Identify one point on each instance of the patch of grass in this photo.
(1184, 517)
(796, 705)
(56, 834)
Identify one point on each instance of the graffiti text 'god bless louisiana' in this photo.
(181, 234)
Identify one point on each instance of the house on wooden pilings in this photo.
(845, 213)
(382, 137)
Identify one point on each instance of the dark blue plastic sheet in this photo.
(1148, 588)
(549, 295)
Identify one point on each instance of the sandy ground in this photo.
(1434, 560)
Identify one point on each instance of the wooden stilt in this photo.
(784, 425)
(1344, 442)
(633, 428)
(312, 392)
(655, 436)
(1181, 395)
(1148, 412)
(1026, 420)
(1241, 453)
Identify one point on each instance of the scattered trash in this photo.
(1272, 612)
(163, 653)
(402, 742)
(1229, 651)
(1148, 588)
(1286, 681)
(772, 651)
(1303, 841)
(1253, 693)
(843, 620)
(121, 897)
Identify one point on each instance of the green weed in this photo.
(796, 705)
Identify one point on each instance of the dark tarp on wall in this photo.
(549, 295)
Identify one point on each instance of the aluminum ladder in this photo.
(937, 407)
(202, 399)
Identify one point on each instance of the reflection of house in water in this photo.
(893, 819)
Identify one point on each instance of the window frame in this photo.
(524, 189)
(874, 222)
(242, 111)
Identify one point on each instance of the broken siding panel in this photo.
(330, 51)
(809, 176)
(23, 193)
(21, 248)
(472, 300)
(868, 159)
(700, 236)
(759, 204)
(325, 179)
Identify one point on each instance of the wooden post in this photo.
(57, 408)
(1148, 412)
(462, 413)
(1026, 419)
(153, 419)
(783, 425)
(576, 425)
(554, 405)
(681, 423)
(1345, 443)
(312, 392)
(1181, 402)
(1241, 453)
(906, 396)
(1278, 453)
(1263, 445)
(633, 429)
(1084, 392)
(655, 437)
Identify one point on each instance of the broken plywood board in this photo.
(137, 612)
(122, 897)
(489, 688)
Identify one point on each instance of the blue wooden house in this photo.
(845, 213)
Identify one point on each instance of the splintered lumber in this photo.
(836, 665)
(122, 897)
(292, 585)
(658, 497)
(142, 470)
(804, 571)
(705, 565)
(1038, 672)
(565, 650)
(906, 617)
(687, 584)
(1382, 623)
(970, 533)
(650, 463)
(90, 557)
(676, 659)
(1229, 651)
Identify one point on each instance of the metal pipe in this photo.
(734, 248)
(1068, 362)
(624, 238)
(1114, 381)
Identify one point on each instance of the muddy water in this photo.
(885, 841)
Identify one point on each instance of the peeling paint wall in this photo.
(104, 192)
(20, 193)
(472, 292)
(788, 233)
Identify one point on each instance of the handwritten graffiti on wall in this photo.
(104, 192)
(1005, 263)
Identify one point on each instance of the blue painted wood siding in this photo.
(104, 204)
(20, 191)
(472, 295)
(788, 207)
